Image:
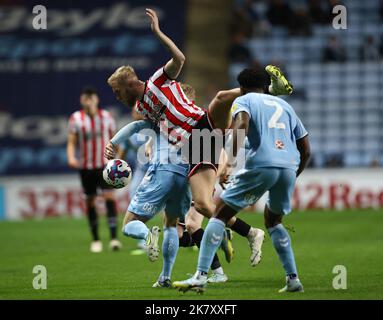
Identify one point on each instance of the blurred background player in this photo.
(89, 131)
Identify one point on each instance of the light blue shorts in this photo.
(161, 190)
(247, 186)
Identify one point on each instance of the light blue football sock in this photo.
(170, 247)
(282, 244)
(136, 229)
(210, 243)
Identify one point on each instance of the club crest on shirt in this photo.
(279, 144)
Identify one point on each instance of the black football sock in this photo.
(93, 222)
(112, 218)
(186, 240)
(215, 263)
(197, 238)
(241, 227)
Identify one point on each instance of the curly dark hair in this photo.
(253, 78)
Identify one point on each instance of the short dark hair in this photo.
(89, 91)
(253, 78)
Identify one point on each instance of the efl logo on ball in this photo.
(117, 173)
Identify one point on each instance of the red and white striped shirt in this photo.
(93, 134)
(166, 105)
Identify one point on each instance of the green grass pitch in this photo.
(322, 239)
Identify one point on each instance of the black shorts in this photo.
(205, 155)
(92, 181)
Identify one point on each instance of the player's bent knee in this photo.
(129, 216)
(272, 219)
(109, 196)
(191, 226)
(170, 221)
(91, 201)
(204, 208)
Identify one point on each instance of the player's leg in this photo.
(111, 212)
(170, 247)
(96, 245)
(233, 199)
(89, 184)
(249, 187)
(211, 241)
(134, 226)
(137, 177)
(279, 204)
(253, 235)
(150, 198)
(202, 183)
(194, 226)
(213, 236)
(185, 239)
(177, 206)
(235, 224)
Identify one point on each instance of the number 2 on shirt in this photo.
(273, 122)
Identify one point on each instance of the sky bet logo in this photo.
(75, 21)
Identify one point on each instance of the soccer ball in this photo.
(117, 173)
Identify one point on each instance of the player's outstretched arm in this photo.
(220, 107)
(174, 66)
(227, 97)
(124, 134)
(303, 146)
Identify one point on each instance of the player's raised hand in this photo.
(155, 25)
(110, 151)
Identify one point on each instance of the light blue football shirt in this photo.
(166, 157)
(274, 129)
(169, 158)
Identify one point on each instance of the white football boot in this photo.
(255, 238)
(96, 246)
(196, 283)
(153, 249)
(217, 278)
(115, 245)
(292, 285)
